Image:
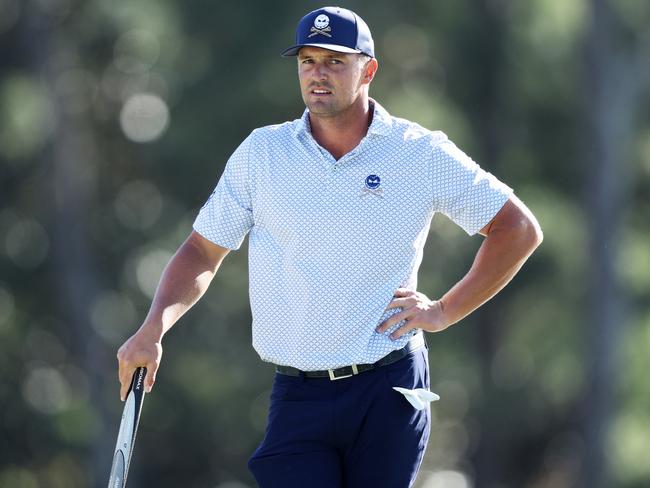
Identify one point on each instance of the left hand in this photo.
(418, 312)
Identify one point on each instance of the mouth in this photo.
(320, 92)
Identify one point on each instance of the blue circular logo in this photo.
(373, 181)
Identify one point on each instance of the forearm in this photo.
(502, 254)
(184, 281)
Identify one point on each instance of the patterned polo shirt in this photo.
(331, 240)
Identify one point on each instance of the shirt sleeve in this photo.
(463, 191)
(227, 216)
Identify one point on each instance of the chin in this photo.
(321, 109)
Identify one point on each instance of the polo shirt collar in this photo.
(381, 120)
(380, 125)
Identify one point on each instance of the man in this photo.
(338, 205)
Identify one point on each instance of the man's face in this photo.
(330, 82)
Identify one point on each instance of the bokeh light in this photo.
(46, 390)
(138, 204)
(136, 51)
(112, 315)
(144, 117)
(15, 476)
(445, 479)
(26, 117)
(44, 347)
(27, 243)
(629, 444)
(65, 470)
(451, 442)
(149, 269)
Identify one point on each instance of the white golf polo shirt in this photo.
(331, 241)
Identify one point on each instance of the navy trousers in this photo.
(354, 432)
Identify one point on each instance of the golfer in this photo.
(338, 205)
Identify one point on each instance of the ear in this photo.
(369, 71)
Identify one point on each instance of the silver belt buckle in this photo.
(333, 378)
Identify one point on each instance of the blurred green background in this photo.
(116, 119)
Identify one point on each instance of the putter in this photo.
(128, 428)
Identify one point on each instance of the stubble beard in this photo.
(322, 108)
(329, 108)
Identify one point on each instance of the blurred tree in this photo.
(490, 122)
(617, 62)
(69, 160)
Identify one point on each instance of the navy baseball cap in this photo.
(333, 28)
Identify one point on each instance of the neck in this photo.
(341, 133)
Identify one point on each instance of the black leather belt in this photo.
(416, 342)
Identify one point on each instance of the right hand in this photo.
(141, 349)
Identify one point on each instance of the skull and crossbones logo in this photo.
(321, 26)
(371, 186)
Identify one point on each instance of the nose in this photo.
(320, 71)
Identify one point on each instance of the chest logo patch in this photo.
(372, 186)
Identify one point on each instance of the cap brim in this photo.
(293, 50)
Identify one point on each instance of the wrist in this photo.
(443, 308)
(153, 330)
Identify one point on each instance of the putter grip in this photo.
(137, 382)
(128, 429)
